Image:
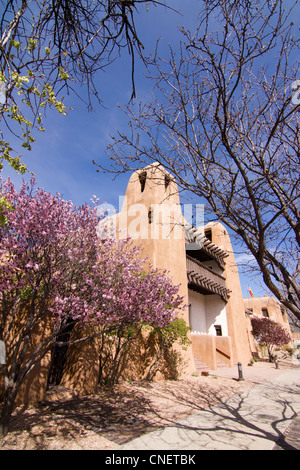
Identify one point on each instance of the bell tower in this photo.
(151, 214)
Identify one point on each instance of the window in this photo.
(190, 314)
(208, 234)
(168, 180)
(218, 329)
(142, 178)
(265, 312)
(150, 216)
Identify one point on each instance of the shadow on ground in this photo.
(124, 412)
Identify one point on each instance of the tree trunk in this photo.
(8, 405)
(270, 352)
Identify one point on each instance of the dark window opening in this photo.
(282, 311)
(218, 329)
(59, 353)
(167, 180)
(142, 178)
(208, 234)
(249, 311)
(265, 312)
(150, 216)
(190, 314)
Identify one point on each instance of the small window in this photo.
(142, 178)
(150, 216)
(265, 312)
(283, 312)
(168, 180)
(190, 314)
(249, 311)
(218, 329)
(208, 234)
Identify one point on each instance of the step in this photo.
(221, 364)
(200, 365)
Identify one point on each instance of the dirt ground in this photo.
(118, 414)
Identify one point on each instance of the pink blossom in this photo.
(53, 247)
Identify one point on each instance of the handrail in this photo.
(223, 352)
(206, 268)
(201, 275)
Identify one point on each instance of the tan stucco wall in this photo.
(162, 243)
(81, 370)
(274, 312)
(273, 307)
(253, 345)
(204, 348)
(224, 350)
(236, 319)
(170, 253)
(34, 386)
(210, 349)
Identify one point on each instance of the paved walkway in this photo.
(262, 418)
(290, 440)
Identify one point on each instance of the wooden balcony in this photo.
(201, 248)
(202, 279)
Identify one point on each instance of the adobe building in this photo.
(268, 307)
(200, 260)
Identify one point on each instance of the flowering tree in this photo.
(55, 273)
(269, 333)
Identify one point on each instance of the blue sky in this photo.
(61, 158)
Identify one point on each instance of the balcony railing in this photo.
(200, 247)
(203, 279)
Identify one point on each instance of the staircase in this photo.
(202, 367)
(221, 364)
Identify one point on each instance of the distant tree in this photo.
(224, 120)
(57, 274)
(269, 333)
